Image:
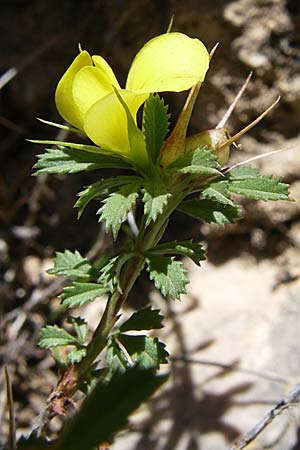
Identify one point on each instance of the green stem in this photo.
(130, 272)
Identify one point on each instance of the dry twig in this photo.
(289, 400)
(10, 404)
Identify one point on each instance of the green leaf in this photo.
(260, 188)
(117, 399)
(33, 442)
(147, 352)
(155, 125)
(117, 206)
(169, 276)
(143, 319)
(69, 264)
(73, 145)
(155, 200)
(115, 357)
(81, 328)
(211, 211)
(100, 189)
(79, 294)
(76, 354)
(108, 274)
(53, 336)
(243, 173)
(201, 161)
(190, 249)
(219, 192)
(69, 160)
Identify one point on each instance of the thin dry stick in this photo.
(10, 403)
(289, 400)
(232, 367)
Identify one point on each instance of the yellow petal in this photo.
(106, 123)
(89, 86)
(105, 67)
(64, 100)
(170, 62)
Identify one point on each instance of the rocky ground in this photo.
(238, 325)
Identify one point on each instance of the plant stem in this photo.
(75, 374)
(131, 271)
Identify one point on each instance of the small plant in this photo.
(162, 173)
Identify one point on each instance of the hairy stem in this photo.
(75, 374)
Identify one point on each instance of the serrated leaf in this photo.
(115, 357)
(68, 160)
(33, 442)
(81, 328)
(211, 211)
(79, 294)
(260, 188)
(143, 319)
(155, 125)
(202, 161)
(117, 399)
(73, 265)
(169, 276)
(53, 336)
(189, 249)
(147, 352)
(117, 206)
(60, 356)
(76, 354)
(100, 189)
(155, 199)
(108, 274)
(243, 173)
(219, 192)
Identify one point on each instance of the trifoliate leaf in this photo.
(201, 161)
(81, 328)
(68, 160)
(155, 200)
(218, 191)
(80, 293)
(169, 276)
(147, 352)
(143, 319)
(99, 190)
(260, 188)
(53, 336)
(106, 409)
(211, 211)
(243, 173)
(190, 249)
(73, 265)
(117, 206)
(155, 125)
(76, 354)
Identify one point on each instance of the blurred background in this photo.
(242, 308)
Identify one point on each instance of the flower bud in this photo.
(213, 139)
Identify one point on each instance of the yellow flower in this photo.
(86, 98)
